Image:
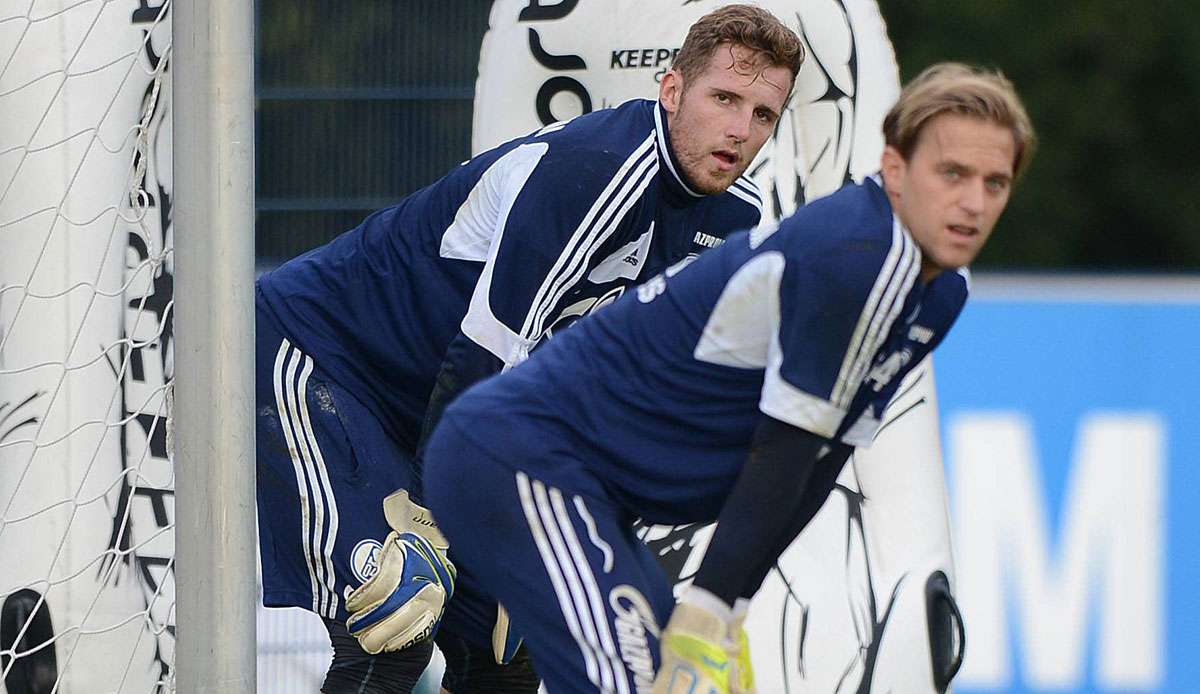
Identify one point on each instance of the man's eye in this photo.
(952, 174)
(996, 185)
(723, 98)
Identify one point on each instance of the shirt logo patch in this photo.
(625, 262)
(707, 240)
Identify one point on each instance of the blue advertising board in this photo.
(1071, 440)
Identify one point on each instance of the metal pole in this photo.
(213, 107)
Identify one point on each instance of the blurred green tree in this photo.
(1114, 91)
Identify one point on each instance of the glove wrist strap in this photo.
(741, 607)
(709, 602)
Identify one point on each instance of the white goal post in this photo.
(116, 390)
(214, 381)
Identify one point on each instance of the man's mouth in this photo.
(962, 230)
(726, 159)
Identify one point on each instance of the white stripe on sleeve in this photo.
(892, 283)
(602, 219)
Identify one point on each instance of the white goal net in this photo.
(86, 272)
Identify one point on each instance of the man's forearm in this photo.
(766, 509)
(816, 493)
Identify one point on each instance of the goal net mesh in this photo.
(87, 587)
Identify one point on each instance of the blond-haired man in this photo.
(732, 389)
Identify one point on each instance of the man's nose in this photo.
(971, 197)
(738, 127)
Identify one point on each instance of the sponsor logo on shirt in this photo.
(634, 618)
(707, 240)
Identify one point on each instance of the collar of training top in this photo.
(674, 178)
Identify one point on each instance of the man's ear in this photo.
(670, 90)
(893, 167)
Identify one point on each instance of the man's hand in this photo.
(696, 653)
(404, 601)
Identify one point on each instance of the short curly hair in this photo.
(745, 25)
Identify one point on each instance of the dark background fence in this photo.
(360, 103)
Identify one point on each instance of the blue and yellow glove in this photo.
(403, 602)
(694, 657)
(705, 651)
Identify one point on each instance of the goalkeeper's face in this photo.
(721, 117)
(951, 189)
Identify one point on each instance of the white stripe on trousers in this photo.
(593, 590)
(556, 577)
(567, 566)
(315, 528)
(312, 484)
(574, 582)
(317, 462)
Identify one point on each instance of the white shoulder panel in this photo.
(471, 234)
(746, 316)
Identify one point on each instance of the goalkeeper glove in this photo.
(505, 641)
(741, 678)
(696, 653)
(404, 601)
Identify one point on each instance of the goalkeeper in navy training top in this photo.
(732, 389)
(361, 343)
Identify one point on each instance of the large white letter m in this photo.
(1107, 561)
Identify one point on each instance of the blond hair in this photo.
(745, 25)
(965, 90)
